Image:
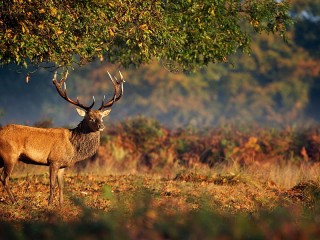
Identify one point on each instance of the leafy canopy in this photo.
(182, 33)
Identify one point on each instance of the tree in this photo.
(307, 27)
(183, 33)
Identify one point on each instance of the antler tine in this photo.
(66, 75)
(110, 77)
(118, 86)
(55, 76)
(115, 83)
(63, 93)
(65, 88)
(121, 86)
(122, 79)
(104, 97)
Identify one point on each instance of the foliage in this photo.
(204, 224)
(186, 33)
(144, 142)
(142, 132)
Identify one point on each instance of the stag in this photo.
(57, 148)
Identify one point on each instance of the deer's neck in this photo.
(85, 142)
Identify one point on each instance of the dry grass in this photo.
(288, 175)
(227, 187)
(157, 206)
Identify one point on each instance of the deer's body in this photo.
(44, 146)
(57, 148)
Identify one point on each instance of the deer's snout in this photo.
(101, 126)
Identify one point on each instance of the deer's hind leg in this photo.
(5, 175)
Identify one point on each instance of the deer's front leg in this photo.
(53, 168)
(60, 185)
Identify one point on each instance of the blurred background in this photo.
(277, 84)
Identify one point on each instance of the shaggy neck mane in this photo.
(85, 141)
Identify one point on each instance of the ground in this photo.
(227, 202)
(187, 192)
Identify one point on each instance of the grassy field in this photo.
(230, 202)
(148, 182)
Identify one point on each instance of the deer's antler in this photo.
(63, 93)
(118, 91)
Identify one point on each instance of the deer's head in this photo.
(92, 119)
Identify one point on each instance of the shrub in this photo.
(143, 132)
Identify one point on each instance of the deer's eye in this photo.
(91, 119)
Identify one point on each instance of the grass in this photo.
(195, 204)
(249, 187)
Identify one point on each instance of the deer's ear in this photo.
(81, 112)
(105, 113)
